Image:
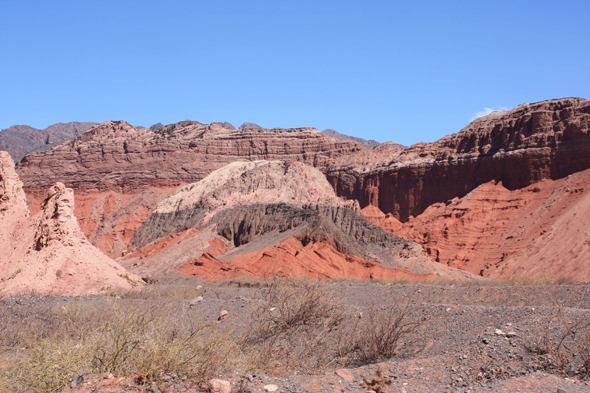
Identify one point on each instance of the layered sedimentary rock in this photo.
(238, 183)
(532, 142)
(254, 208)
(118, 157)
(48, 253)
(538, 232)
(114, 164)
(21, 140)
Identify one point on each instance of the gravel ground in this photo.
(471, 339)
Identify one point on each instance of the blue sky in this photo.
(385, 70)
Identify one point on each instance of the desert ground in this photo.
(304, 336)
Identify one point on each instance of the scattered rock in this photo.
(345, 374)
(219, 386)
(195, 301)
(511, 334)
(271, 388)
(499, 332)
(222, 315)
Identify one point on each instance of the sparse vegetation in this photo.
(302, 325)
(107, 336)
(563, 341)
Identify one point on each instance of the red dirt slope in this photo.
(293, 259)
(540, 231)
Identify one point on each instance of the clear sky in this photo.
(387, 70)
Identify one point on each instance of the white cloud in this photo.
(487, 111)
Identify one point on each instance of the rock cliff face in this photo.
(12, 195)
(48, 253)
(536, 232)
(532, 142)
(119, 157)
(14, 214)
(21, 140)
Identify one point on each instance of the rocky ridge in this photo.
(131, 159)
(22, 140)
(369, 144)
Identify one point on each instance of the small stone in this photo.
(271, 388)
(222, 315)
(561, 391)
(485, 341)
(511, 334)
(220, 386)
(448, 309)
(498, 332)
(345, 374)
(195, 301)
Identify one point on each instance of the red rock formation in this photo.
(15, 225)
(546, 140)
(255, 207)
(120, 172)
(539, 231)
(118, 157)
(49, 254)
(292, 259)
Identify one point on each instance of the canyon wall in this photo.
(532, 142)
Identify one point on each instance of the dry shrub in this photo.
(379, 332)
(294, 325)
(563, 341)
(113, 337)
(303, 326)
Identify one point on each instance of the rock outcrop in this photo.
(14, 214)
(21, 140)
(12, 195)
(48, 253)
(532, 142)
(254, 207)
